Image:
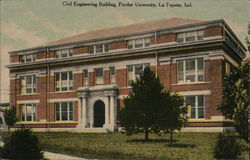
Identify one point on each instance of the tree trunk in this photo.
(171, 137)
(146, 134)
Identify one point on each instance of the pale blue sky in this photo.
(28, 23)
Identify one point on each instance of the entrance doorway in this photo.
(99, 113)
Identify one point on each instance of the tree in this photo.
(235, 98)
(22, 144)
(10, 117)
(173, 114)
(142, 106)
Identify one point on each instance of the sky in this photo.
(29, 23)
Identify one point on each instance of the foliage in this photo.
(10, 116)
(143, 105)
(235, 98)
(22, 144)
(227, 147)
(173, 114)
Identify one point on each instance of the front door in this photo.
(99, 113)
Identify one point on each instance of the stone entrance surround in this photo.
(88, 96)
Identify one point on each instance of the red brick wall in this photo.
(118, 45)
(14, 59)
(121, 77)
(215, 31)
(173, 70)
(14, 90)
(51, 54)
(215, 69)
(163, 72)
(124, 91)
(106, 77)
(91, 79)
(152, 40)
(63, 95)
(81, 50)
(166, 38)
(78, 82)
(41, 55)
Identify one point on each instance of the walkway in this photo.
(56, 156)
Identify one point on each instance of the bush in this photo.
(22, 144)
(227, 147)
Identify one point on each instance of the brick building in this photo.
(78, 83)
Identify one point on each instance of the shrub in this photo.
(22, 144)
(227, 147)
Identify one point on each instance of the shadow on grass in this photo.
(151, 140)
(181, 145)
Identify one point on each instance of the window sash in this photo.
(190, 70)
(29, 112)
(28, 84)
(112, 75)
(197, 106)
(64, 81)
(64, 53)
(190, 36)
(139, 43)
(64, 111)
(134, 71)
(85, 77)
(99, 76)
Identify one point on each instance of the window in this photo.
(28, 58)
(190, 36)
(64, 111)
(85, 78)
(134, 71)
(28, 84)
(64, 81)
(28, 112)
(112, 75)
(99, 76)
(190, 70)
(64, 53)
(197, 105)
(99, 48)
(138, 43)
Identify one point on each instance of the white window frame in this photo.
(143, 43)
(144, 65)
(25, 86)
(103, 48)
(195, 71)
(24, 112)
(112, 77)
(25, 57)
(68, 111)
(185, 36)
(69, 53)
(197, 106)
(85, 78)
(101, 78)
(69, 81)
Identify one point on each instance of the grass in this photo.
(120, 146)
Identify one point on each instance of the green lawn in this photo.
(117, 145)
